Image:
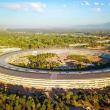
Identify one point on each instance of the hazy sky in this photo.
(55, 13)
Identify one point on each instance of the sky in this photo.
(53, 13)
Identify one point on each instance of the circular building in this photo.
(51, 78)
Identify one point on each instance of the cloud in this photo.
(96, 4)
(98, 9)
(86, 3)
(37, 6)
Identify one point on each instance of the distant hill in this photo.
(105, 25)
(95, 27)
(81, 28)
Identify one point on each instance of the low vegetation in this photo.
(79, 58)
(46, 40)
(36, 61)
(39, 61)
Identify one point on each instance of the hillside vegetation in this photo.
(37, 40)
(13, 97)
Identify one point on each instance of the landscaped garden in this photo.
(60, 62)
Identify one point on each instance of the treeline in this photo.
(93, 66)
(40, 61)
(31, 40)
(40, 57)
(13, 97)
(79, 58)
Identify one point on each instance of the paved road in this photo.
(24, 72)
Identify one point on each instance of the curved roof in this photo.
(39, 74)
